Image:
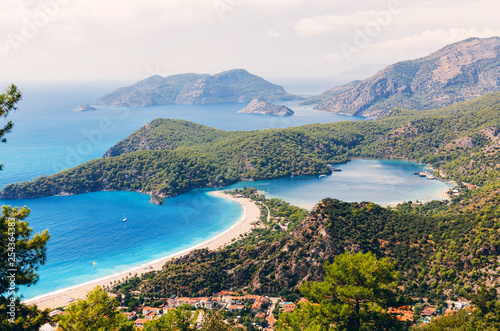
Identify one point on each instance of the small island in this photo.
(85, 108)
(257, 106)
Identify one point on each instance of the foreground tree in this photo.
(214, 321)
(98, 312)
(181, 319)
(8, 102)
(20, 255)
(354, 295)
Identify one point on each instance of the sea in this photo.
(89, 239)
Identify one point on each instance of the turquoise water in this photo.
(48, 137)
(380, 181)
(88, 228)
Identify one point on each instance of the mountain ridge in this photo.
(454, 73)
(169, 157)
(237, 85)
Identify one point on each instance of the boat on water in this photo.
(124, 218)
(332, 168)
(424, 174)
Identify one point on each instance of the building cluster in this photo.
(226, 300)
(404, 313)
(235, 302)
(261, 307)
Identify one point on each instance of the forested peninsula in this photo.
(169, 157)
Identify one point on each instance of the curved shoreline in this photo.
(59, 298)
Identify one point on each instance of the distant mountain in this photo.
(257, 106)
(325, 96)
(229, 86)
(455, 73)
(168, 157)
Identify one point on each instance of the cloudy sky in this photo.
(81, 40)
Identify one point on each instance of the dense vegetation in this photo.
(485, 314)
(97, 312)
(239, 265)
(20, 253)
(442, 251)
(169, 157)
(355, 295)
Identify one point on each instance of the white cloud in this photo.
(410, 47)
(120, 39)
(319, 25)
(314, 26)
(429, 41)
(273, 34)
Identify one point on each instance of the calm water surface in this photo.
(88, 228)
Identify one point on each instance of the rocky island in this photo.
(167, 157)
(257, 106)
(238, 86)
(85, 108)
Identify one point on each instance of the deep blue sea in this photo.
(88, 228)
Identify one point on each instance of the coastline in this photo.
(443, 195)
(60, 298)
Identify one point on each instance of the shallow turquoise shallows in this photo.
(89, 228)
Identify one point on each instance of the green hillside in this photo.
(169, 157)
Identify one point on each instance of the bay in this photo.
(88, 228)
(48, 137)
(381, 181)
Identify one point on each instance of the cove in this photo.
(381, 181)
(89, 227)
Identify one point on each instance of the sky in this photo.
(129, 40)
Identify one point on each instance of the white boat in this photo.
(124, 218)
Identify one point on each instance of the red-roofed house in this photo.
(251, 297)
(260, 315)
(257, 305)
(130, 316)
(235, 307)
(288, 307)
(147, 310)
(149, 316)
(428, 311)
(139, 323)
(302, 300)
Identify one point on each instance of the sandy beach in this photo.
(442, 195)
(60, 298)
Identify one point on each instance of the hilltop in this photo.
(455, 73)
(236, 85)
